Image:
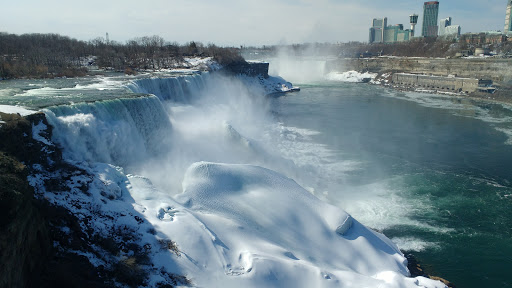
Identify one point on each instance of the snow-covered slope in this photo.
(260, 229)
(236, 226)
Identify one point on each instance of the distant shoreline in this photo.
(495, 69)
(501, 96)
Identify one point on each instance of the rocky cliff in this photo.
(250, 69)
(24, 237)
(46, 244)
(494, 69)
(29, 227)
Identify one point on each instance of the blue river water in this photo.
(433, 173)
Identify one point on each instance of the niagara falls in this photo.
(255, 144)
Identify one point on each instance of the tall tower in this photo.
(430, 13)
(508, 18)
(414, 20)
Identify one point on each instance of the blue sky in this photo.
(234, 22)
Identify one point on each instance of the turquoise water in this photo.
(432, 173)
(41, 93)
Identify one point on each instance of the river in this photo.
(430, 172)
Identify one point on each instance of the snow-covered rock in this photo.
(8, 109)
(350, 76)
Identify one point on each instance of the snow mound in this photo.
(264, 230)
(350, 76)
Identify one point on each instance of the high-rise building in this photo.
(443, 24)
(508, 18)
(377, 30)
(380, 32)
(430, 13)
(447, 29)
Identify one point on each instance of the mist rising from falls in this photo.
(298, 70)
(192, 118)
(202, 117)
(206, 117)
(224, 122)
(308, 67)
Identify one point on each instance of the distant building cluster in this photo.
(492, 37)
(381, 32)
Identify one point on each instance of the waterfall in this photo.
(179, 89)
(120, 131)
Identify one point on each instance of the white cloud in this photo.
(230, 22)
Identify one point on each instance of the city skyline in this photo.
(230, 22)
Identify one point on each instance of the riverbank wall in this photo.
(451, 84)
(495, 69)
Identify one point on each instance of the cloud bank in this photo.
(230, 22)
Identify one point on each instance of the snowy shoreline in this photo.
(385, 81)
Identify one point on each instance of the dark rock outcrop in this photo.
(24, 239)
(29, 227)
(249, 69)
(44, 244)
(416, 270)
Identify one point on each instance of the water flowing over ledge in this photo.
(116, 131)
(180, 89)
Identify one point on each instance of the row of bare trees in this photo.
(423, 47)
(48, 55)
(37, 55)
(418, 47)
